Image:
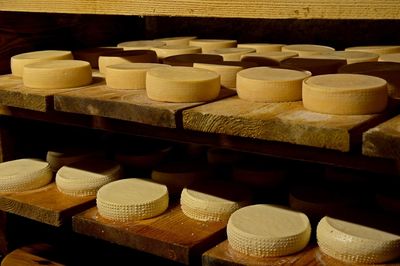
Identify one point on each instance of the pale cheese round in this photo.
(179, 40)
(273, 55)
(356, 243)
(265, 84)
(307, 49)
(57, 74)
(345, 94)
(132, 199)
(208, 45)
(134, 56)
(226, 72)
(85, 177)
(140, 44)
(262, 47)
(233, 53)
(24, 174)
(352, 57)
(264, 230)
(20, 60)
(129, 76)
(395, 57)
(171, 50)
(376, 49)
(60, 157)
(182, 84)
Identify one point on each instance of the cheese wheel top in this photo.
(262, 47)
(140, 44)
(179, 40)
(58, 64)
(273, 74)
(377, 49)
(20, 167)
(135, 66)
(306, 49)
(183, 74)
(395, 57)
(45, 54)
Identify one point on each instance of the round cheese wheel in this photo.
(316, 66)
(131, 199)
(182, 84)
(134, 56)
(273, 55)
(376, 49)
(264, 230)
(208, 45)
(60, 157)
(190, 59)
(265, 84)
(232, 54)
(262, 47)
(171, 50)
(213, 200)
(179, 40)
(306, 49)
(92, 55)
(140, 44)
(57, 74)
(356, 243)
(345, 94)
(129, 76)
(390, 58)
(352, 57)
(20, 60)
(85, 177)
(226, 72)
(24, 174)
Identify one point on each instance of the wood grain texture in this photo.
(383, 140)
(29, 255)
(284, 122)
(305, 9)
(171, 235)
(46, 204)
(130, 105)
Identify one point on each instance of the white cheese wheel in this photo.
(208, 45)
(306, 49)
(171, 50)
(265, 84)
(85, 177)
(179, 40)
(232, 54)
(140, 44)
(356, 243)
(213, 200)
(345, 94)
(132, 199)
(20, 60)
(24, 174)
(262, 47)
(376, 49)
(134, 56)
(226, 72)
(395, 57)
(182, 84)
(264, 230)
(129, 76)
(60, 157)
(273, 55)
(57, 74)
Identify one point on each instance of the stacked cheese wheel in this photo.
(60, 157)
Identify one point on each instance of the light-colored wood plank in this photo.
(304, 9)
(283, 122)
(383, 140)
(46, 204)
(130, 105)
(171, 235)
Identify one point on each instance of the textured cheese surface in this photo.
(130, 76)
(182, 84)
(356, 243)
(232, 54)
(262, 47)
(274, 55)
(306, 49)
(24, 174)
(208, 45)
(227, 73)
(135, 56)
(57, 74)
(264, 230)
(345, 94)
(140, 44)
(395, 57)
(171, 50)
(20, 60)
(179, 40)
(85, 177)
(265, 84)
(376, 49)
(132, 199)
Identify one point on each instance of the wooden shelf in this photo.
(303, 9)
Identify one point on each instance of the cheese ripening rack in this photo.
(108, 114)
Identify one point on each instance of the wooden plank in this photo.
(304, 9)
(284, 122)
(130, 105)
(171, 235)
(46, 204)
(383, 140)
(30, 255)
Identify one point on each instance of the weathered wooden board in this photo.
(283, 122)
(46, 204)
(30, 255)
(383, 140)
(171, 235)
(130, 105)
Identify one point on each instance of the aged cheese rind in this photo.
(273, 55)
(178, 40)
(395, 57)
(59, 158)
(233, 53)
(135, 56)
(140, 44)
(376, 49)
(307, 49)
(262, 47)
(208, 45)
(171, 50)
(227, 73)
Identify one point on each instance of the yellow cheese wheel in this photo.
(350, 56)
(265, 84)
(190, 59)
(345, 94)
(182, 84)
(134, 56)
(179, 40)
(232, 54)
(316, 66)
(208, 45)
(227, 73)
(262, 47)
(92, 55)
(376, 49)
(395, 57)
(306, 49)
(57, 74)
(171, 50)
(20, 60)
(140, 44)
(273, 55)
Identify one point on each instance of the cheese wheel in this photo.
(60, 157)
(179, 40)
(356, 243)
(208, 45)
(345, 94)
(140, 44)
(390, 58)
(131, 199)
(273, 55)
(226, 72)
(262, 47)
(190, 59)
(57, 74)
(92, 55)
(171, 50)
(135, 56)
(129, 76)
(85, 177)
(351, 57)
(20, 60)
(213, 200)
(24, 174)
(316, 66)
(232, 54)
(306, 49)
(376, 49)
(264, 230)
(265, 84)
(182, 84)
